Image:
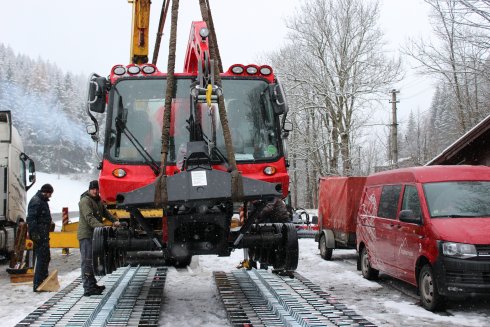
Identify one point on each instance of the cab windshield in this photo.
(458, 199)
(138, 108)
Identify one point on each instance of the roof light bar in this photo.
(237, 69)
(134, 70)
(252, 70)
(119, 70)
(265, 70)
(149, 69)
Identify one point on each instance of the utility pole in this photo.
(394, 129)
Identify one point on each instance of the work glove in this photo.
(35, 236)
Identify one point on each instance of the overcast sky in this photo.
(93, 35)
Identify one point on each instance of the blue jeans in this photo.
(88, 276)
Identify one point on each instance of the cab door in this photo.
(409, 235)
(386, 226)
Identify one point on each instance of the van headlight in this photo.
(458, 250)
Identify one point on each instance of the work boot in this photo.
(92, 291)
(100, 287)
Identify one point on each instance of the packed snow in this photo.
(191, 298)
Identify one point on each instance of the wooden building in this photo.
(473, 148)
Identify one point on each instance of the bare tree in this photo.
(335, 55)
(455, 59)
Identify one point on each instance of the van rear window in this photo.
(388, 204)
(458, 199)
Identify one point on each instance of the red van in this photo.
(428, 226)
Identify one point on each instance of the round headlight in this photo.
(119, 70)
(149, 69)
(269, 170)
(119, 173)
(134, 69)
(265, 71)
(237, 69)
(252, 70)
(204, 32)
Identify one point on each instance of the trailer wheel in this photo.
(368, 272)
(429, 296)
(325, 253)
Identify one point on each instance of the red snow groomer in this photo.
(185, 152)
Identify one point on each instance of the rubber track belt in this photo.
(261, 298)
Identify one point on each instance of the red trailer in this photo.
(338, 205)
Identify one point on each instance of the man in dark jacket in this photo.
(92, 210)
(39, 223)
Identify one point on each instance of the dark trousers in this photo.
(43, 257)
(88, 277)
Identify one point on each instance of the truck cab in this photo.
(17, 175)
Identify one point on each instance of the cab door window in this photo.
(411, 200)
(388, 204)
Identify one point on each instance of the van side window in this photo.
(388, 204)
(411, 200)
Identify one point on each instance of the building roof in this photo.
(472, 148)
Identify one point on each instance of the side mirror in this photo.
(91, 129)
(31, 167)
(97, 90)
(314, 220)
(278, 98)
(408, 216)
(287, 126)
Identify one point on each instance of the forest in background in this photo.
(48, 110)
(334, 70)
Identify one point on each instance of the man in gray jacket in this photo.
(92, 210)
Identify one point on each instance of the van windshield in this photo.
(458, 199)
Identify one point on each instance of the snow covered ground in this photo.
(191, 298)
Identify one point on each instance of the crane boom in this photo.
(139, 33)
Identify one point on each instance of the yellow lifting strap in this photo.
(209, 92)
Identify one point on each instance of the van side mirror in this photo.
(278, 99)
(314, 220)
(91, 129)
(408, 216)
(97, 90)
(287, 126)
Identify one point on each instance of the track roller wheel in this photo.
(287, 253)
(99, 251)
(291, 246)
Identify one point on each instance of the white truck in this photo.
(17, 175)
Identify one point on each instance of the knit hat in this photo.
(47, 188)
(93, 184)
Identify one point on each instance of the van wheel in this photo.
(325, 252)
(368, 272)
(429, 295)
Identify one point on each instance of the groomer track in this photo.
(259, 298)
(133, 297)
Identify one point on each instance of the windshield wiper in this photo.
(141, 149)
(215, 150)
(454, 216)
(120, 121)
